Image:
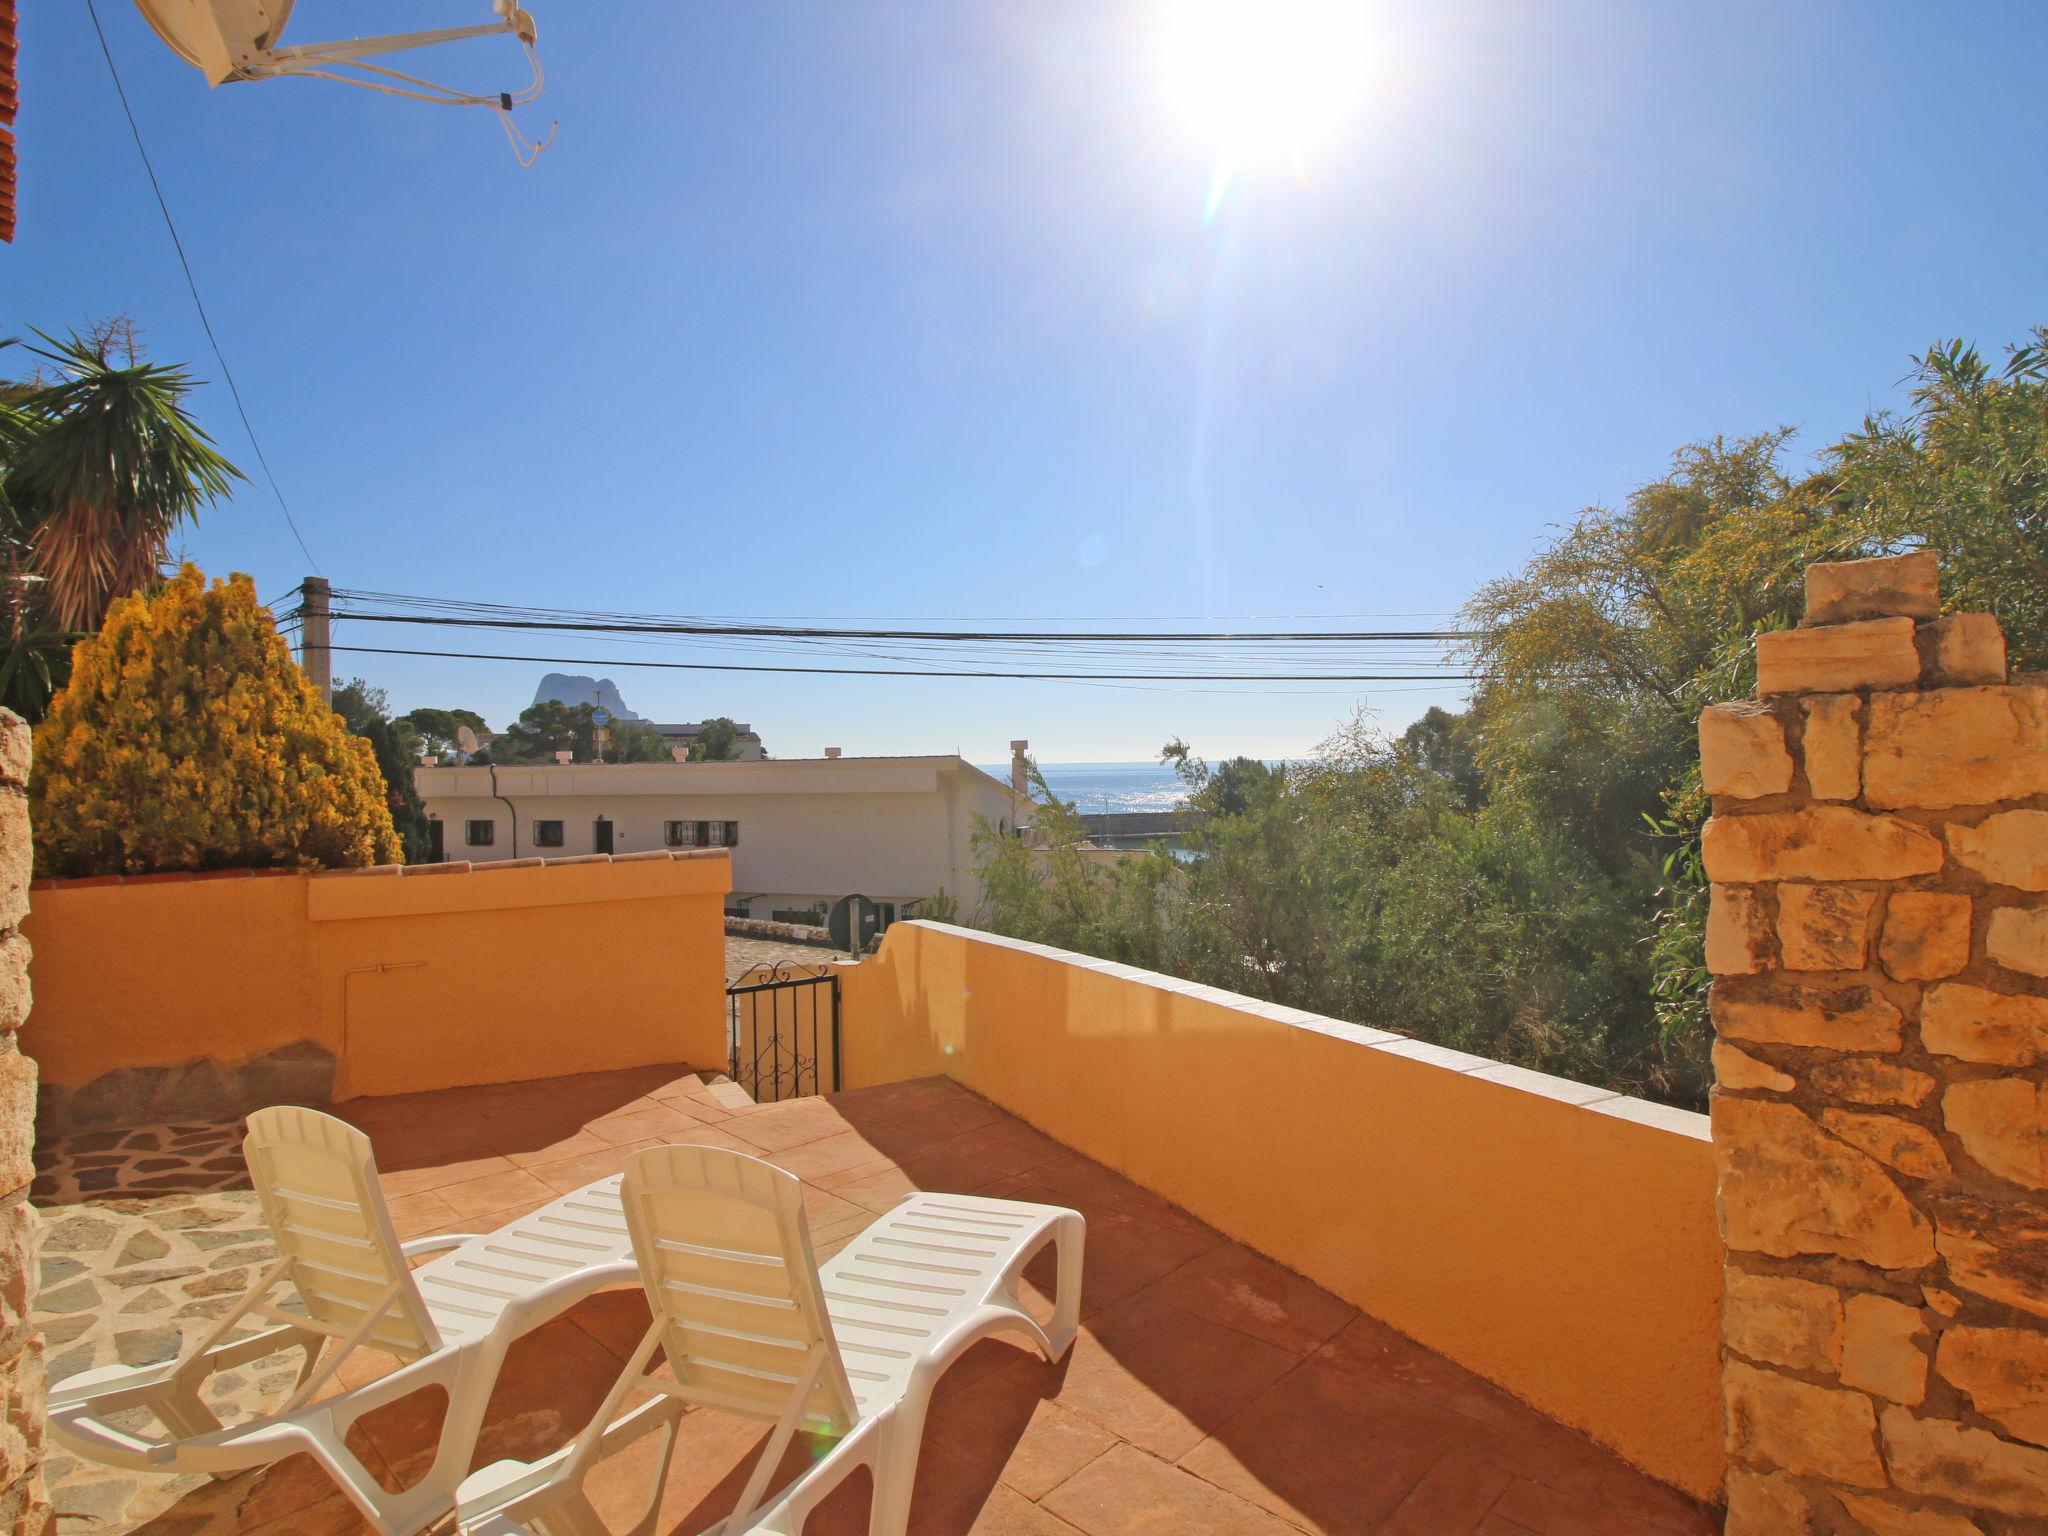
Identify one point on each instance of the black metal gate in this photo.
(782, 1031)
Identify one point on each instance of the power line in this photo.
(795, 632)
(1049, 677)
(192, 283)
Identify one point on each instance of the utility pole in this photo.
(315, 654)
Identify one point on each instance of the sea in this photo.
(1095, 787)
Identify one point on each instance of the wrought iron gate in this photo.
(773, 1013)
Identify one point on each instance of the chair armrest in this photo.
(421, 1246)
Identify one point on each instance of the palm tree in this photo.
(98, 467)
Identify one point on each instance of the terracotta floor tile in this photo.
(778, 1127)
(1452, 1498)
(1006, 1513)
(1653, 1504)
(417, 1215)
(422, 1177)
(1551, 1513)
(1121, 1256)
(565, 1174)
(576, 1143)
(1500, 1525)
(617, 1319)
(1236, 1287)
(876, 1191)
(1126, 1492)
(495, 1192)
(652, 1122)
(844, 1152)
(1158, 1378)
(1326, 1450)
(1013, 1435)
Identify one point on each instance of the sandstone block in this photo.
(1782, 1321)
(1824, 927)
(1974, 1024)
(16, 856)
(15, 748)
(1838, 591)
(1878, 653)
(2003, 1123)
(1743, 752)
(16, 995)
(2010, 848)
(1766, 1504)
(1823, 842)
(1738, 932)
(1868, 1080)
(1947, 1303)
(1955, 746)
(1896, 1143)
(1788, 1188)
(1802, 1429)
(1926, 935)
(2005, 1371)
(1997, 1249)
(17, 1119)
(1880, 1349)
(2018, 939)
(1835, 1019)
(1895, 1520)
(1833, 744)
(1739, 1069)
(1972, 1467)
(1968, 648)
(21, 1238)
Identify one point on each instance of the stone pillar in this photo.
(23, 1509)
(1879, 941)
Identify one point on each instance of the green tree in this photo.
(99, 463)
(717, 741)
(188, 739)
(437, 728)
(366, 710)
(551, 726)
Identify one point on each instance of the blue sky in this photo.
(911, 310)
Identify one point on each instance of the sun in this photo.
(1263, 80)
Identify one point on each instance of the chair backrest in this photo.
(725, 1253)
(317, 1179)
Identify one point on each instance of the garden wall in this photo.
(168, 996)
(1556, 1238)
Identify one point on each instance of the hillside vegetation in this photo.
(1522, 880)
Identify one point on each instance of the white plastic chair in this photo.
(451, 1321)
(752, 1325)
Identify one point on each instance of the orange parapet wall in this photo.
(1556, 1238)
(434, 977)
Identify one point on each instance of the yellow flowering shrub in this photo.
(189, 739)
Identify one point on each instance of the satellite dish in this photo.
(465, 738)
(238, 40)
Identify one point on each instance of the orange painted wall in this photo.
(1556, 1239)
(432, 979)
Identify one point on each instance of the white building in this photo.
(803, 831)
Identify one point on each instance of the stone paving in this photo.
(1211, 1391)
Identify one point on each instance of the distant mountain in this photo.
(567, 688)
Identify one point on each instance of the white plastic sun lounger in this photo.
(450, 1321)
(753, 1326)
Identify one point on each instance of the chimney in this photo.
(1020, 767)
(430, 760)
(831, 751)
(680, 754)
(565, 757)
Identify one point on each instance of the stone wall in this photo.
(23, 1509)
(1879, 940)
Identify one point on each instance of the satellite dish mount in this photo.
(238, 40)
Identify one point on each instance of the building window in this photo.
(479, 834)
(701, 834)
(547, 834)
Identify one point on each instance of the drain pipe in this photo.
(508, 806)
